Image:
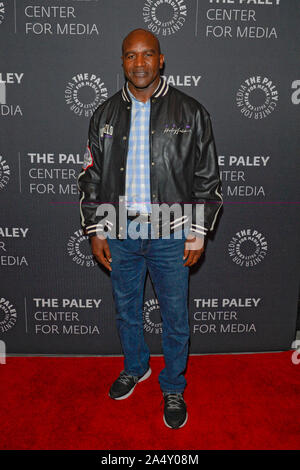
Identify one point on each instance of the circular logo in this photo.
(257, 97)
(84, 93)
(8, 315)
(152, 318)
(164, 17)
(2, 12)
(247, 248)
(4, 173)
(78, 248)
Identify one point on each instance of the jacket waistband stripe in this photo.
(201, 227)
(94, 228)
(181, 219)
(177, 225)
(198, 231)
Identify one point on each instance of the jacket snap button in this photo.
(128, 107)
(122, 169)
(152, 132)
(124, 138)
(153, 163)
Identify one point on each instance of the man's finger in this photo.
(194, 256)
(190, 258)
(104, 261)
(195, 260)
(107, 253)
(101, 258)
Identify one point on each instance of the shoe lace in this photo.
(174, 400)
(125, 378)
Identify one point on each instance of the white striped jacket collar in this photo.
(161, 90)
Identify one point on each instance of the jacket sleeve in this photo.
(89, 182)
(206, 188)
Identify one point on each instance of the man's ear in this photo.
(161, 61)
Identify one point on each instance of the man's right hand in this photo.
(101, 251)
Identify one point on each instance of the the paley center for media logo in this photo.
(84, 93)
(2, 12)
(164, 17)
(4, 172)
(8, 315)
(257, 97)
(152, 317)
(248, 247)
(79, 250)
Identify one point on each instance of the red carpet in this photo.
(246, 401)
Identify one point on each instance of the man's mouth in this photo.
(140, 74)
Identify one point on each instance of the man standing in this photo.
(150, 145)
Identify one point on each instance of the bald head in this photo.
(140, 34)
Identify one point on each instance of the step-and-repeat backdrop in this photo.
(58, 61)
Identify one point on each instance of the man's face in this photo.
(141, 60)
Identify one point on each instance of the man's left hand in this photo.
(193, 249)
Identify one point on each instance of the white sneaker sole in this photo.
(181, 426)
(144, 377)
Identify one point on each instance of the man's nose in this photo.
(140, 60)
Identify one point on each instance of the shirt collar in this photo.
(133, 98)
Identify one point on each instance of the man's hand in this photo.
(101, 251)
(193, 249)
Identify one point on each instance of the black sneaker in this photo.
(175, 414)
(125, 383)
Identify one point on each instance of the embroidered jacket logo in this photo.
(87, 159)
(107, 130)
(175, 130)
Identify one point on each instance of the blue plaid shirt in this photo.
(138, 197)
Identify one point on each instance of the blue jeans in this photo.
(164, 260)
